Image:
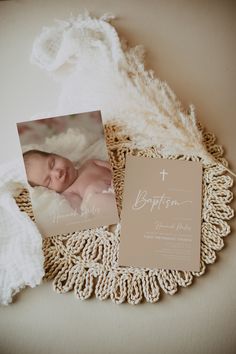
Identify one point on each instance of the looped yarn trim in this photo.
(87, 261)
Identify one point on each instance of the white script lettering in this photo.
(158, 202)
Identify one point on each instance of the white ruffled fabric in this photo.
(21, 256)
(96, 71)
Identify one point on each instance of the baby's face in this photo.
(53, 171)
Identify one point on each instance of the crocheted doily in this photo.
(87, 261)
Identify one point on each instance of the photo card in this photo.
(68, 172)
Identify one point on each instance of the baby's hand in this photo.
(103, 163)
(74, 200)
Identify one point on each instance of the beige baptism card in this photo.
(161, 214)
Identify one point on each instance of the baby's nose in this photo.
(58, 173)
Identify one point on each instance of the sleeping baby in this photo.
(90, 183)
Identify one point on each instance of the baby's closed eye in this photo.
(52, 162)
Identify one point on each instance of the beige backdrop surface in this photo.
(191, 45)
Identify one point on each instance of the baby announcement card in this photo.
(161, 214)
(68, 173)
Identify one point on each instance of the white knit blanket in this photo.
(96, 71)
(21, 256)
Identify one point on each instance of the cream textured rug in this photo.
(87, 261)
(97, 70)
